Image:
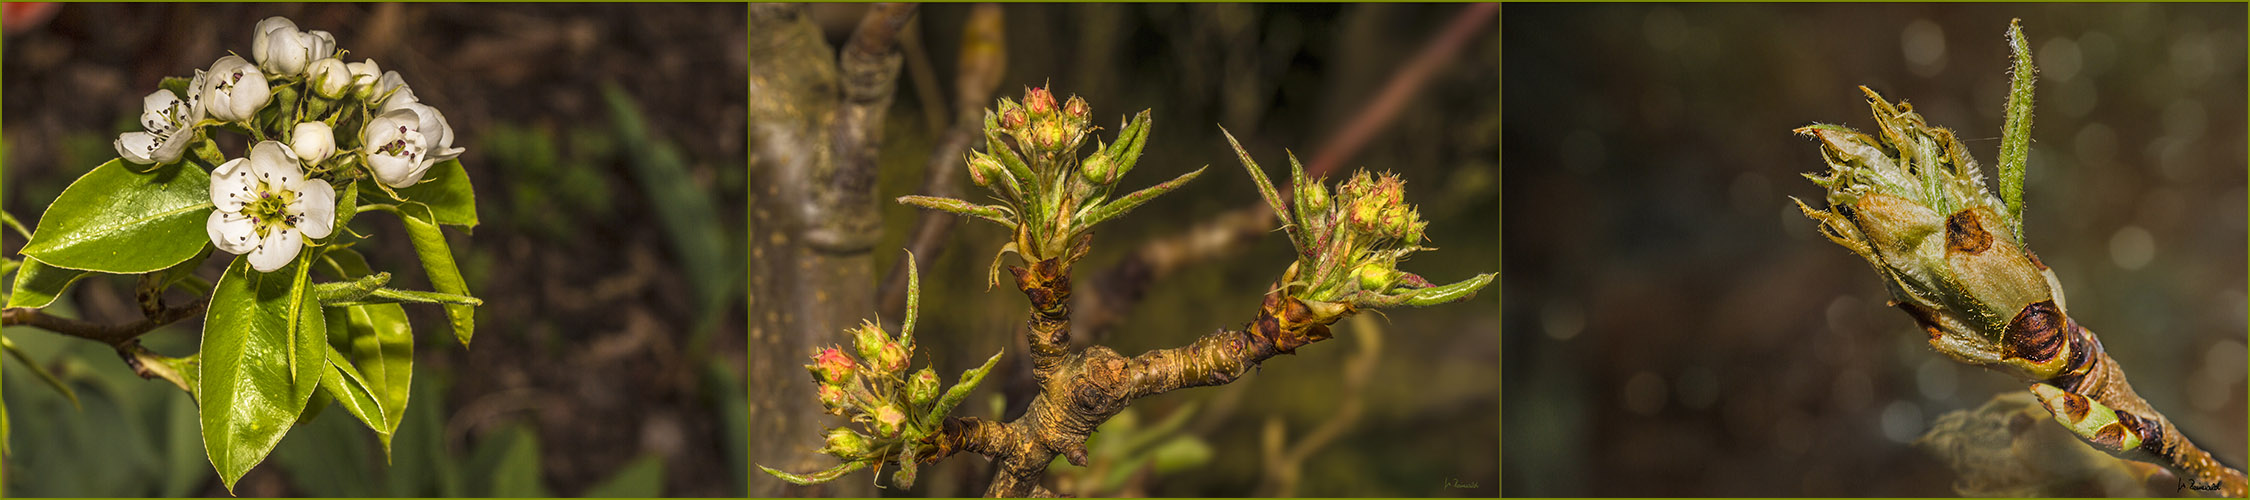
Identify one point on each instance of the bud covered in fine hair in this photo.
(1038, 100)
(834, 399)
(1098, 169)
(832, 366)
(1078, 109)
(845, 444)
(888, 420)
(890, 358)
(922, 389)
(870, 339)
(983, 168)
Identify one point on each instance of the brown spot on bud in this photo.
(2074, 406)
(2110, 438)
(2038, 333)
(1965, 233)
(2150, 432)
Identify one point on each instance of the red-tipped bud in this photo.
(833, 366)
(922, 388)
(888, 421)
(1078, 109)
(890, 358)
(834, 399)
(1038, 100)
(983, 168)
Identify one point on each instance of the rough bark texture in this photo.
(813, 135)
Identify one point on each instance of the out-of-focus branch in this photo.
(1116, 290)
(112, 334)
(1285, 464)
(844, 192)
(983, 59)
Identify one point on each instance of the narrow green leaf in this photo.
(2015, 137)
(263, 350)
(40, 371)
(988, 212)
(1444, 294)
(817, 477)
(346, 384)
(378, 341)
(113, 220)
(1265, 186)
(437, 261)
(395, 296)
(959, 392)
(1131, 201)
(39, 284)
(1127, 151)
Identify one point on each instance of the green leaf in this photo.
(344, 291)
(1443, 294)
(1127, 151)
(445, 189)
(960, 391)
(817, 477)
(642, 478)
(39, 284)
(437, 261)
(40, 371)
(988, 212)
(380, 343)
(2015, 135)
(347, 384)
(263, 351)
(115, 221)
(1131, 201)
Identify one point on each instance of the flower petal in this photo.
(137, 147)
(157, 110)
(232, 185)
(315, 207)
(232, 232)
(275, 164)
(279, 247)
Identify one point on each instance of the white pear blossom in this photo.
(403, 143)
(393, 92)
(364, 75)
(283, 50)
(329, 77)
(267, 207)
(234, 90)
(313, 142)
(165, 116)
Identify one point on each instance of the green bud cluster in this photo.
(1349, 243)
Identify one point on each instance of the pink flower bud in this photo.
(1077, 108)
(832, 366)
(982, 168)
(845, 444)
(888, 420)
(891, 358)
(922, 389)
(1038, 100)
(834, 399)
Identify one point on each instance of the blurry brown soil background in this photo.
(1279, 77)
(1677, 328)
(605, 143)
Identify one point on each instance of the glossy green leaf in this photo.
(817, 477)
(642, 478)
(437, 261)
(350, 389)
(38, 284)
(113, 220)
(445, 189)
(263, 351)
(40, 371)
(960, 391)
(380, 343)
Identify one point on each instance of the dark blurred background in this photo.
(606, 146)
(1677, 328)
(1278, 77)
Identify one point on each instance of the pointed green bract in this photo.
(959, 392)
(817, 477)
(2015, 137)
(264, 349)
(114, 220)
(1113, 209)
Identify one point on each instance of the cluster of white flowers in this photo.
(279, 195)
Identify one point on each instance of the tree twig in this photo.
(983, 60)
(115, 335)
(1117, 289)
